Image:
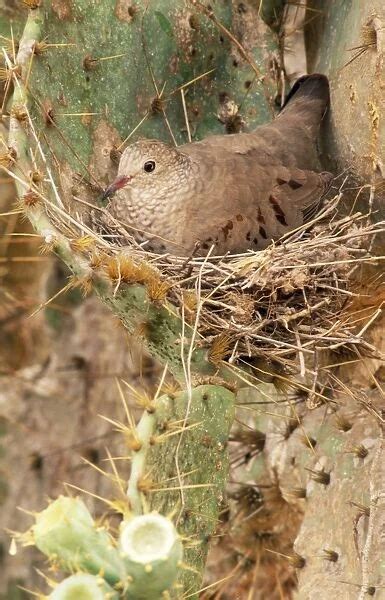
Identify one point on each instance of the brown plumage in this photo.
(236, 192)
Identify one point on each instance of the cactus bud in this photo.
(152, 551)
(66, 533)
(83, 587)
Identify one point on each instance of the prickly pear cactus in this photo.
(175, 493)
(345, 479)
(309, 498)
(83, 587)
(143, 563)
(91, 78)
(87, 79)
(195, 459)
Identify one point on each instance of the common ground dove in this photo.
(234, 192)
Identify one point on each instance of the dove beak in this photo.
(116, 185)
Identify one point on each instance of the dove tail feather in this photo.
(309, 98)
(314, 86)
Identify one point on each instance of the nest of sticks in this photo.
(281, 306)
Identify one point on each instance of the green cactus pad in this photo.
(66, 533)
(83, 587)
(152, 551)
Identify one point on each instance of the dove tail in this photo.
(309, 99)
(314, 86)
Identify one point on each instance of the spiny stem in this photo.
(144, 432)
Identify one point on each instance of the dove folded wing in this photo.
(246, 199)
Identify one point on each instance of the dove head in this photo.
(149, 169)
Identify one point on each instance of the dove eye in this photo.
(149, 166)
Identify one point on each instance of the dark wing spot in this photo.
(281, 219)
(262, 232)
(294, 184)
(281, 181)
(228, 227)
(261, 218)
(255, 241)
(274, 203)
(208, 242)
(279, 214)
(239, 218)
(248, 236)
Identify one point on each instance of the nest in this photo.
(274, 310)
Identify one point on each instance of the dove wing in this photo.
(244, 199)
